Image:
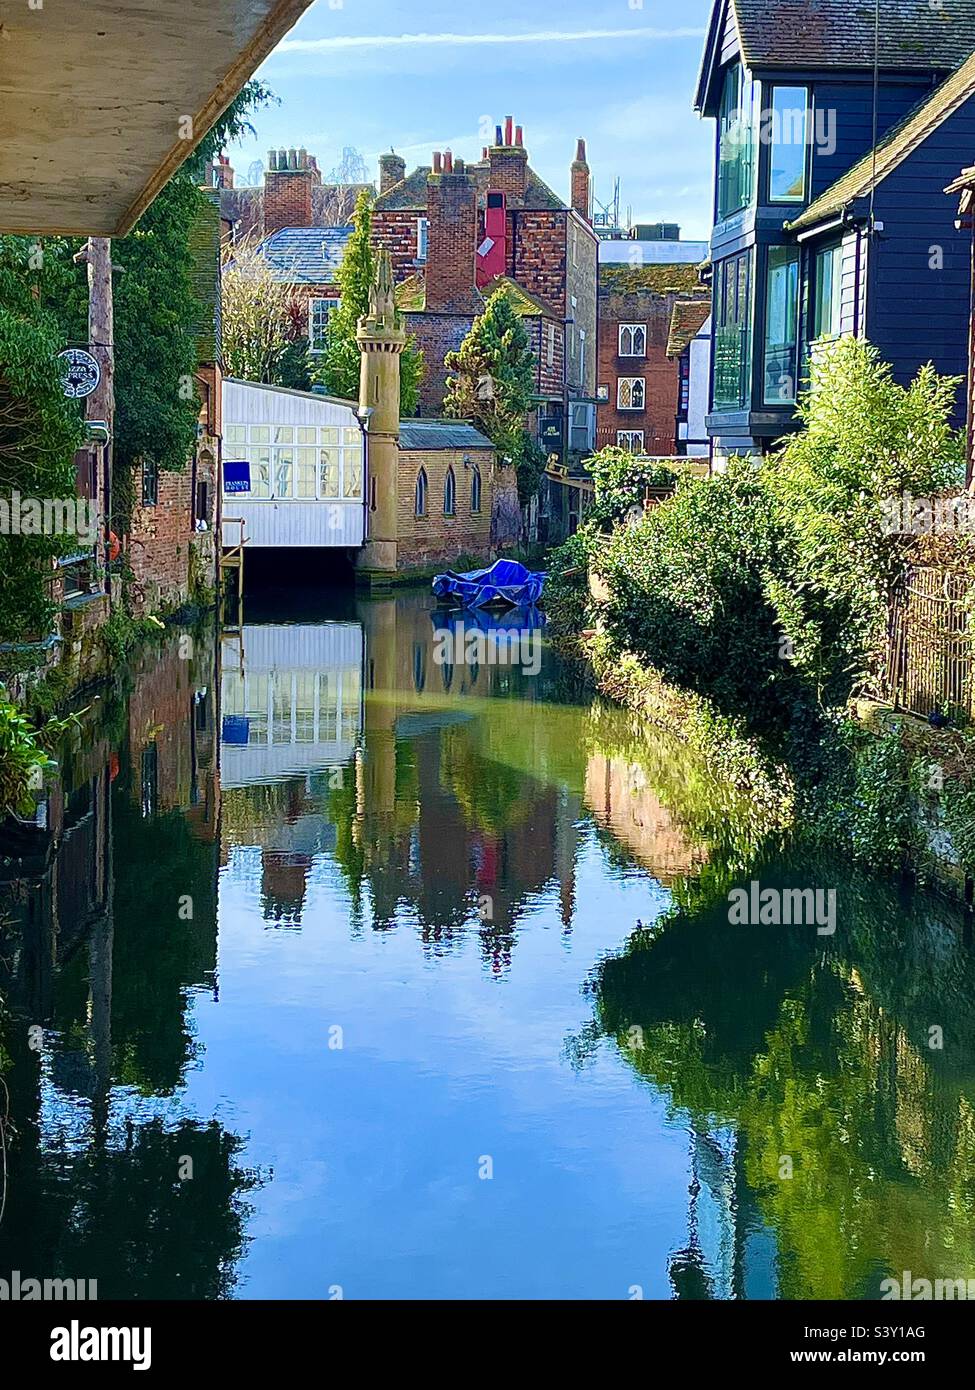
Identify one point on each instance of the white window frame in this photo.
(630, 329)
(267, 446)
(623, 435)
(631, 381)
(422, 238)
(332, 303)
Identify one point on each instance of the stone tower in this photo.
(381, 339)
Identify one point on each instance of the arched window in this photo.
(475, 489)
(450, 493)
(421, 492)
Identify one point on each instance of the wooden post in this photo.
(97, 253)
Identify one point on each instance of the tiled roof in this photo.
(686, 322)
(915, 35)
(204, 246)
(658, 279)
(840, 33)
(425, 436)
(411, 297)
(896, 145)
(306, 255)
(411, 193)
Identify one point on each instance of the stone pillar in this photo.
(381, 340)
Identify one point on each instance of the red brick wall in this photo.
(509, 171)
(452, 244)
(288, 198)
(436, 334)
(661, 374)
(537, 255)
(158, 543)
(396, 230)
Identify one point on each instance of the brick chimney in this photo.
(580, 182)
(289, 181)
(392, 170)
(451, 237)
(220, 174)
(509, 163)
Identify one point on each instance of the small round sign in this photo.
(82, 373)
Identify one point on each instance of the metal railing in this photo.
(929, 647)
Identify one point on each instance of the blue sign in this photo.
(236, 476)
(236, 729)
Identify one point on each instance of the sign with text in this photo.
(236, 476)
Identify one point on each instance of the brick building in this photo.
(171, 545)
(639, 385)
(456, 231)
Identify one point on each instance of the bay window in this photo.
(732, 332)
(785, 132)
(736, 141)
(781, 325)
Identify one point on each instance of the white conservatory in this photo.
(293, 468)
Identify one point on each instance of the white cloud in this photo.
(346, 41)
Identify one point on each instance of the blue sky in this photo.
(426, 74)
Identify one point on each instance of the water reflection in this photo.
(324, 912)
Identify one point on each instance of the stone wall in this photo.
(436, 537)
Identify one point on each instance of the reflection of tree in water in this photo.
(815, 1051)
(116, 1211)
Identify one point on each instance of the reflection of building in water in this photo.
(291, 700)
(623, 802)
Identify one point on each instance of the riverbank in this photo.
(884, 789)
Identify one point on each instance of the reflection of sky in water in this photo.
(448, 875)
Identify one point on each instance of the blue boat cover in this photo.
(505, 582)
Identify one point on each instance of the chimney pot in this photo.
(498, 137)
(581, 151)
(484, 153)
(302, 159)
(448, 162)
(436, 162)
(519, 137)
(272, 159)
(459, 167)
(508, 125)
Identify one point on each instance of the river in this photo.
(341, 964)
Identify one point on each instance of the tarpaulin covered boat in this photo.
(507, 584)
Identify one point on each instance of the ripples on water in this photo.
(348, 969)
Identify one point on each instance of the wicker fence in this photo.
(929, 651)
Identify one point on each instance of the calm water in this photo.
(335, 966)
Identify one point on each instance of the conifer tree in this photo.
(337, 367)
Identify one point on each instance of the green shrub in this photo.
(620, 481)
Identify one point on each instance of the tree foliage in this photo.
(492, 384)
(337, 368)
(261, 322)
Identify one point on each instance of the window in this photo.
(781, 325)
(150, 483)
(630, 393)
(475, 489)
(684, 400)
(736, 141)
(827, 292)
(631, 440)
(318, 312)
(420, 505)
(202, 501)
(732, 332)
(449, 493)
(784, 132)
(422, 237)
(633, 340)
(306, 463)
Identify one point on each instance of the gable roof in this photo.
(411, 297)
(686, 322)
(306, 255)
(426, 436)
(799, 34)
(411, 193)
(899, 142)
